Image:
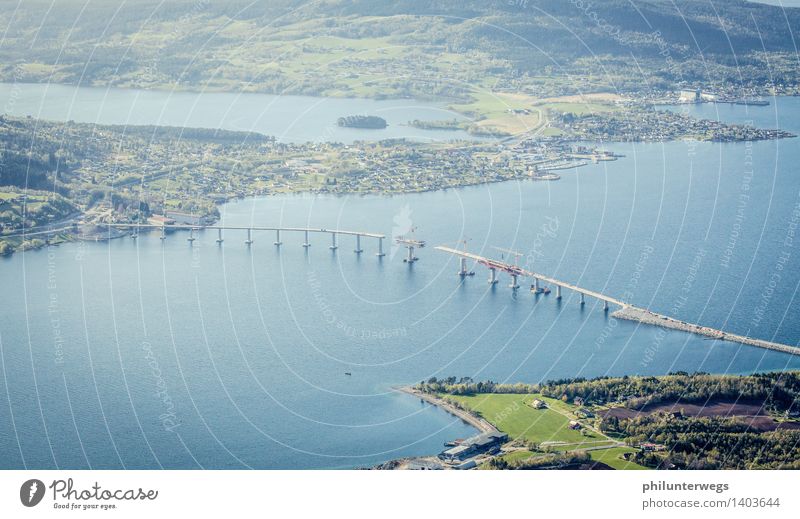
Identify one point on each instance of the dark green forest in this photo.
(685, 441)
(778, 392)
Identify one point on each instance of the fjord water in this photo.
(143, 354)
(287, 118)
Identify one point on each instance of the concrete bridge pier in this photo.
(278, 241)
(358, 249)
(492, 275)
(249, 239)
(163, 233)
(463, 268)
(583, 302)
(410, 258)
(513, 285)
(191, 235)
(333, 242)
(380, 252)
(605, 305)
(306, 244)
(558, 291)
(536, 288)
(219, 235)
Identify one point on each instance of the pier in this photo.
(626, 311)
(410, 244)
(632, 313)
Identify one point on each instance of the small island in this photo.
(372, 122)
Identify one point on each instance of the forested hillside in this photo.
(401, 48)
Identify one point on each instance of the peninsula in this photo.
(675, 421)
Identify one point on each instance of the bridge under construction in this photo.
(626, 311)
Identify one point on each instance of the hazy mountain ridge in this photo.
(260, 46)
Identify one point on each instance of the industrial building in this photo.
(473, 446)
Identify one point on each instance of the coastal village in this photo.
(127, 177)
(88, 175)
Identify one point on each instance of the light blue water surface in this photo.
(287, 118)
(143, 354)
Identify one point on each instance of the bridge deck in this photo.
(514, 269)
(628, 311)
(241, 228)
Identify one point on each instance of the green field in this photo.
(513, 415)
(613, 458)
(580, 108)
(491, 112)
(518, 455)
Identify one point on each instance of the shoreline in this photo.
(178, 88)
(478, 423)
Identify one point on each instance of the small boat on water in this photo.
(348, 373)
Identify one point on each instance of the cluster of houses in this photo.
(659, 125)
(407, 167)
